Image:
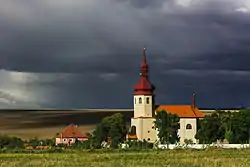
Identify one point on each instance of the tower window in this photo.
(148, 139)
(133, 130)
(147, 100)
(188, 126)
(140, 100)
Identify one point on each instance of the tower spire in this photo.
(144, 65)
(144, 86)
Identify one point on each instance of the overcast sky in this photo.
(87, 53)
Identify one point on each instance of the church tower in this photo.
(142, 124)
(143, 92)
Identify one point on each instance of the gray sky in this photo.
(87, 54)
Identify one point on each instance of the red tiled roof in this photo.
(71, 131)
(183, 111)
(143, 87)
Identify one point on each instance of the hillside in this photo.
(46, 123)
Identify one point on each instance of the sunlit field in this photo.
(174, 158)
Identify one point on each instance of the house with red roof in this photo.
(69, 135)
(142, 124)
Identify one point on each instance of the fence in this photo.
(203, 146)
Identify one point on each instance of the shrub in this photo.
(82, 144)
(139, 145)
(10, 142)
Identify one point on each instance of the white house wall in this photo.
(187, 133)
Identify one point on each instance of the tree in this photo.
(233, 126)
(210, 130)
(240, 123)
(114, 127)
(10, 142)
(167, 125)
(226, 125)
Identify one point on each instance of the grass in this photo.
(177, 158)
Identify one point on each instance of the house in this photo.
(69, 135)
(142, 124)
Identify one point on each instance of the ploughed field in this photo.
(45, 124)
(177, 158)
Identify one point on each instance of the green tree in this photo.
(34, 142)
(226, 125)
(167, 125)
(240, 123)
(114, 127)
(210, 130)
(10, 142)
(233, 126)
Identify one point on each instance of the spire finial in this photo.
(144, 54)
(144, 66)
(193, 99)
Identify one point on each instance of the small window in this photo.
(147, 100)
(153, 127)
(64, 139)
(148, 131)
(140, 100)
(188, 126)
(148, 139)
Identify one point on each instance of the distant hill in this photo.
(47, 122)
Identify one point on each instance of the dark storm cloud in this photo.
(198, 46)
(146, 3)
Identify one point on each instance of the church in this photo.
(142, 123)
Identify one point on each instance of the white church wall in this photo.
(184, 131)
(145, 129)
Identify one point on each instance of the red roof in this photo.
(71, 131)
(183, 111)
(144, 86)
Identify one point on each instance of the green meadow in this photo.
(150, 158)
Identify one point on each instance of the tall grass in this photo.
(150, 158)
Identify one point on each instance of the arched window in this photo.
(140, 100)
(188, 126)
(147, 100)
(133, 130)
